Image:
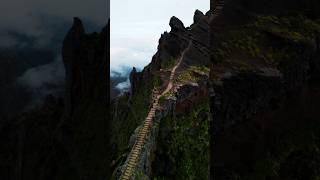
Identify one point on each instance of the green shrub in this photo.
(168, 64)
(185, 141)
(157, 81)
(162, 100)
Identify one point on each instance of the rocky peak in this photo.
(133, 72)
(135, 79)
(197, 16)
(77, 30)
(176, 24)
(85, 59)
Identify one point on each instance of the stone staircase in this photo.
(130, 165)
(133, 157)
(136, 150)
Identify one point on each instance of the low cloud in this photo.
(123, 86)
(130, 52)
(44, 80)
(120, 79)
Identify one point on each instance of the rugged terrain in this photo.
(184, 51)
(65, 138)
(244, 105)
(265, 76)
(248, 118)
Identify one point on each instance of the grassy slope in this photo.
(269, 41)
(184, 142)
(276, 41)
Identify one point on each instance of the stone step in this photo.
(143, 134)
(134, 156)
(140, 140)
(125, 178)
(146, 126)
(129, 169)
(131, 163)
(144, 130)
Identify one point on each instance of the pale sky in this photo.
(136, 27)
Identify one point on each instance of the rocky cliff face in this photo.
(65, 138)
(85, 59)
(171, 46)
(260, 62)
(190, 90)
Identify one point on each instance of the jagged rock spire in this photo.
(197, 16)
(77, 29)
(176, 24)
(85, 57)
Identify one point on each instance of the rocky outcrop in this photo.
(85, 122)
(171, 45)
(176, 24)
(197, 16)
(87, 71)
